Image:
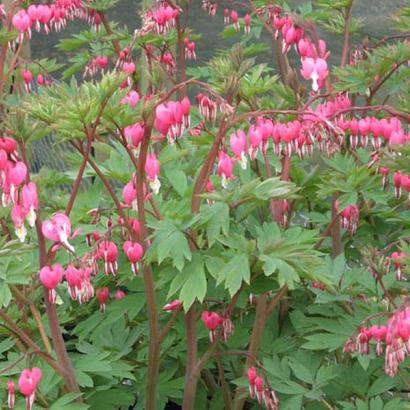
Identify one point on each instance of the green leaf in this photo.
(5, 294)
(236, 271)
(178, 180)
(273, 188)
(294, 403)
(216, 220)
(301, 371)
(290, 387)
(324, 341)
(169, 242)
(286, 273)
(381, 385)
(194, 282)
(66, 403)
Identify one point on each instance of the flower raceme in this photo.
(393, 339)
(50, 16)
(51, 277)
(28, 383)
(163, 19)
(262, 393)
(172, 118)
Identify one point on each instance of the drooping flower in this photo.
(225, 168)
(74, 280)
(398, 262)
(120, 294)
(172, 306)
(252, 374)
(108, 252)
(212, 321)
(238, 146)
(131, 99)
(27, 78)
(247, 23)
(235, 20)
(21, 21)
(11, 394)
(51, 277)
(134, 252)
(315, 70)
(134, 134)
(18, 215)
(103, 295)
(15, 174)
(58, 229)
(28, 382)
(29, 201)
(152, 168)
(190, 47)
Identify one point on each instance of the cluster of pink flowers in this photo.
(349, 218)
(258, 389)
(15, 189)
(103, 294)
(79, 274)
(160, 20)
(28, 383)
(190, 47)
(233, 17)
(401, 181)
(393, 340)
(98, 63)
(172, 118)
(361, 130)
(79, 283)
(213, 321)
(27, 76)
(52, 16)
(209, 6)
(207, 107)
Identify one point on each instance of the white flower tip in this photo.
(21, 233)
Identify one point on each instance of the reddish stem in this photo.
(154, 332)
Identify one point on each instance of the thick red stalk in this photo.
(346, 35)
(154, 331)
